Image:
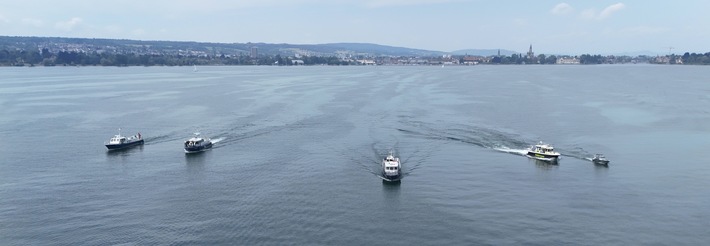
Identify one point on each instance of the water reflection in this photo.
(195, 162)
(545, 165)
(601, 169)
(390, 190)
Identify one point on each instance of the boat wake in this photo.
(237, 133)
(483, 137)
(577, 153)
(372, 162)
(217, 140)
(522, 152)
(495, 139)
(173, 136)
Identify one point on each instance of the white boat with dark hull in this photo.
(391, 168)
(197, 144)
(543, 152)
(599, 159)
(121, 142)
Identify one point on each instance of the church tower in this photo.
(531, 55)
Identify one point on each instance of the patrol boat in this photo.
(119, 141)
(543, 152)
(391, 168)
(599, 159)
(197, 144)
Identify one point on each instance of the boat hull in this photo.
(601, 162)
(542, 157)
(124, 145)
(391, 178)
(195, 149)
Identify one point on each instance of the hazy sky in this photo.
(552, 27)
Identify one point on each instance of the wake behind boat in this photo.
(197, 144)
(391, 168)
(120, 142)
(543, 152)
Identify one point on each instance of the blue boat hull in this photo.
(193, 149)
(124, 145)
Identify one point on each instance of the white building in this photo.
(568, 60)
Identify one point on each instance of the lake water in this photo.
(298, 155)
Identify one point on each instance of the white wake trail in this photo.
(512, 151)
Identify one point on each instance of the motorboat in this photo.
(197, 144)
(119, 141)
(391, 168)
(599, 159)
(543, 152)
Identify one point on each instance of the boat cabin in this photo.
(118, 139)
(194, 142)
(543, 148)
(391, 164)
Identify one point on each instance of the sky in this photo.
(551, 27)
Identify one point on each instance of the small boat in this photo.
(391, 168)
(599, 159)
(120, 142)
(543, 152)
(197, 144)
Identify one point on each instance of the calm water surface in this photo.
(298, 152)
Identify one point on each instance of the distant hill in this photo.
(172, 47)
(483, 52)
(638, 53)
(342, 48)
(139, 46)
(382, 49)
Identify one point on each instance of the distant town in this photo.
(50, 51)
